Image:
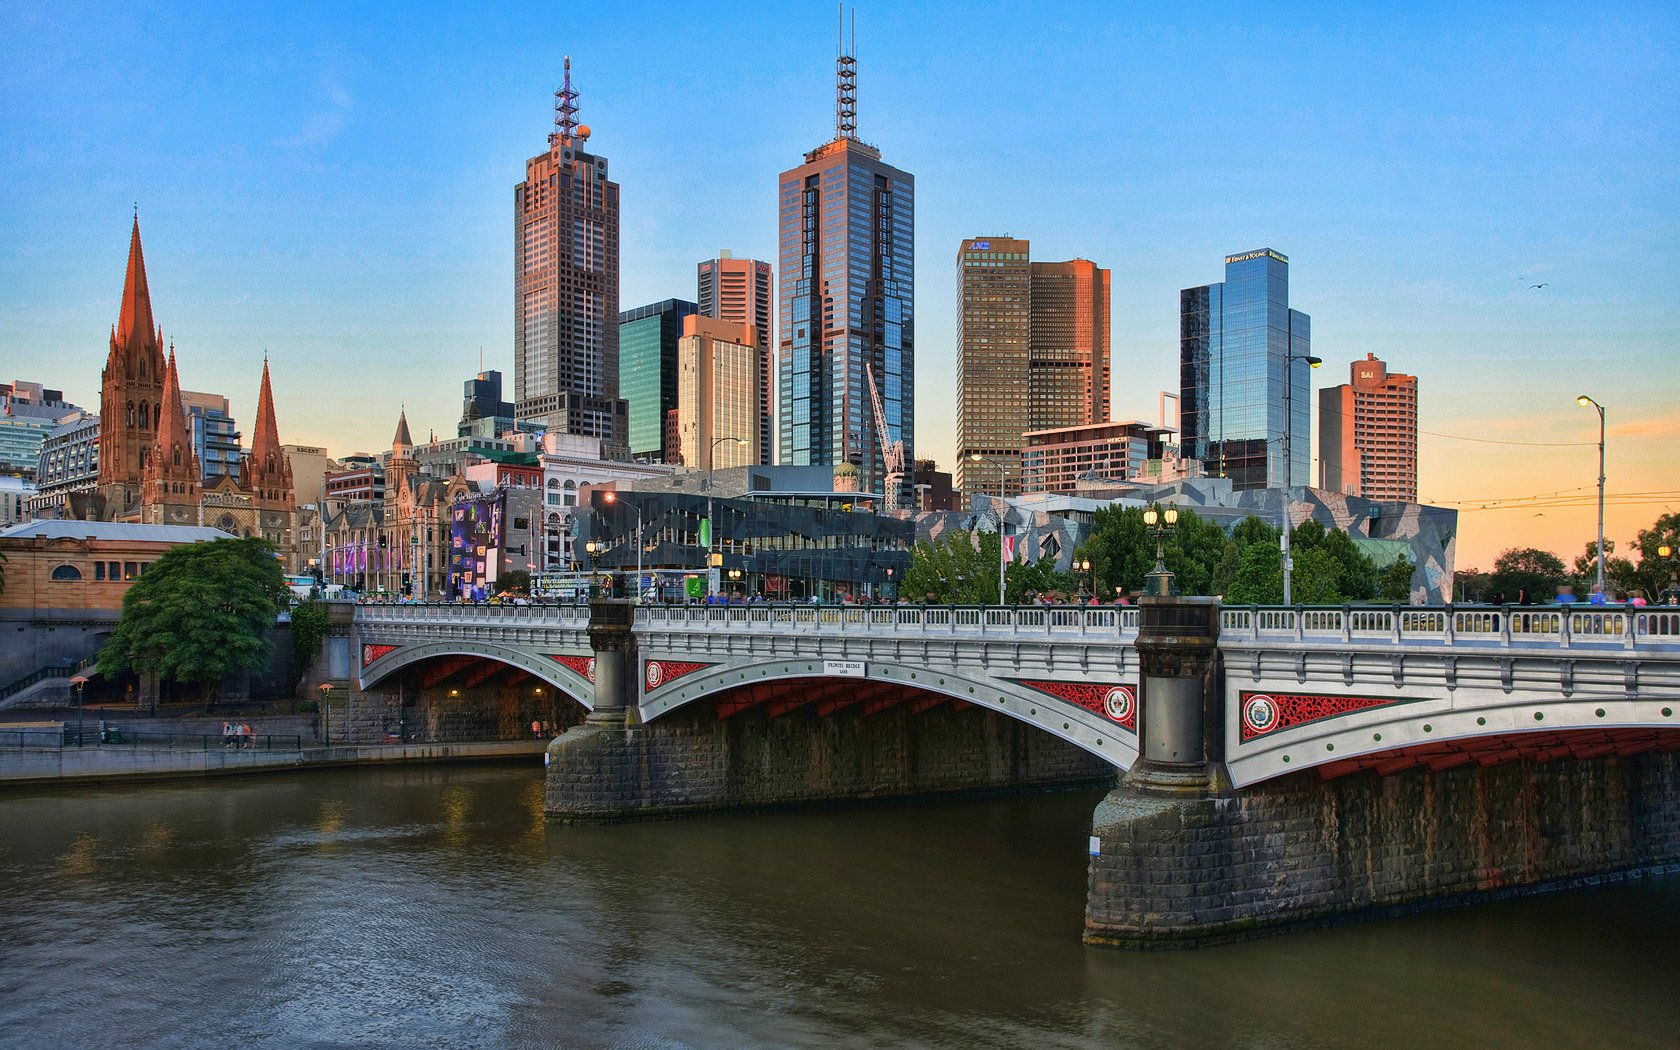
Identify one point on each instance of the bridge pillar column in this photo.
(1180, 732)
(617, 676)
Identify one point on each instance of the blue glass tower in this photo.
(846, 301)
(1239, 344)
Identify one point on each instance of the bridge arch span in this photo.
(1439, 736)
(566, 681)
(783, 685)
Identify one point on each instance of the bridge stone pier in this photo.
(1272, 768)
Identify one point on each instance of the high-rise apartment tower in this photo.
(738, 290)
(565, 265)
(647, 347)
(1367, 434)
(1239, 344)
(846, 300)
(1032, 354)
(718, 384)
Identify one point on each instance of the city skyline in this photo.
(1524, 154)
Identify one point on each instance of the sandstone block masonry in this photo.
(1179, 872)
(690, 761)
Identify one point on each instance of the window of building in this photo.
(130, 570)
(66, 572)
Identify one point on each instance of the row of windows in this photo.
(104, 571)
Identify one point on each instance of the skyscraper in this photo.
(738, 290)
(1239, 343)
(647, 347)
(1032, 354)
(718, 385)
(1367, 434)
(846, 301)
(565, 259)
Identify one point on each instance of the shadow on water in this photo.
(436, 907)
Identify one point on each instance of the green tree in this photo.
(201, 611)
(1526, 570)
(1122, 551)
(1655, 573)
(1023, 581)
(309, 630)
(1394, 584)
(515, 581)
(960, 569)
(1621, 576)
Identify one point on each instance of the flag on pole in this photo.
(1008, 549)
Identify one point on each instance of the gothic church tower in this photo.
(130, 394)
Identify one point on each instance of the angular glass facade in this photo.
(1239, 344)
(846, 299)
(647, 351)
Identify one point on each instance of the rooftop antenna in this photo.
(845, 76)
(565, 108)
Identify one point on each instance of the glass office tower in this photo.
(647, 354)
(846, 231)
(1239, 343)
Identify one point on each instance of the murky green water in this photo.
(434, 907)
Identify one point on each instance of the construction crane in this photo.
(892, 452)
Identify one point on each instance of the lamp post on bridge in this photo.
(711, 524)
(611, 497)
(1159, 581)
(1584, 401)
(1003, 525)
(1289, 360)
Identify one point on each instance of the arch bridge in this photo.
(1337, 690)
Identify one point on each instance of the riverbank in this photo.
(32, 767)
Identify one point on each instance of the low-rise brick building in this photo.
(84, 564)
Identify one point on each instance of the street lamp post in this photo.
(1003, 560)
(711, 524)
(1289, 360)
(593, 549)
(1084, 567)
(612, 497)
(1669, 595)
(1159, 581)
(1584, 401)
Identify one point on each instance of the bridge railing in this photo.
(1518, 626)
(897, 619)
(442, 612)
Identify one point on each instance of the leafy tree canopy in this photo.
(1526, 571)
(201, 611)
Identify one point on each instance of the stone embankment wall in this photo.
(690, 761)
(1298, 851)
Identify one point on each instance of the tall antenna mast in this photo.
(845, 77)
(565, 108)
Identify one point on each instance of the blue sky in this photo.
(333, 185)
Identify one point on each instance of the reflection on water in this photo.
(435, 907)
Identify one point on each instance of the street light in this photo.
(1003, 560)
(1669, 595)
(1159, 581)
(711, 525)
(593, 550)
(1288, 462)
(1584, 401)
(611, 497)
(1084, 567)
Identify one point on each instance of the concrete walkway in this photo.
(85, 765)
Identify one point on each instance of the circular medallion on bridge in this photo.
(1260, 714)
(1118, 703)
(590, 673)
(655, 674)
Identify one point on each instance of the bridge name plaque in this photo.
(846, 668)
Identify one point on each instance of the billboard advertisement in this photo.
(475, 546)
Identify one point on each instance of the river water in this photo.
(433, 906)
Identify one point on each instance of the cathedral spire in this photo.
(174, 450)
(265, 441)
(135, 318)
(402, 442)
